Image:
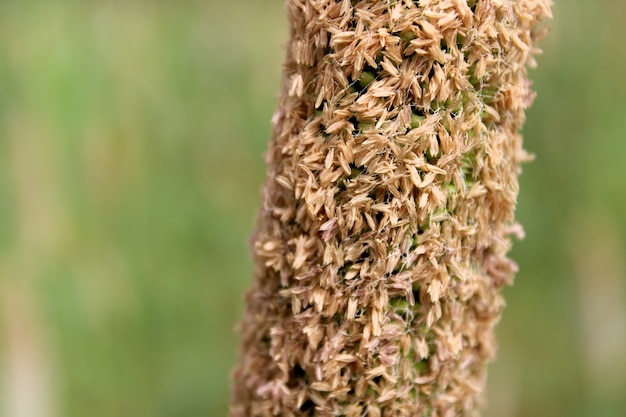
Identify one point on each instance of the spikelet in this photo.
(388, 207)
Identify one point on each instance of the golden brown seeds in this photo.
(381, 245)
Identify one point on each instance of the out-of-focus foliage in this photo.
(131, 141)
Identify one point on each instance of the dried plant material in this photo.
(388, 207)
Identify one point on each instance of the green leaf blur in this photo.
(131, 142)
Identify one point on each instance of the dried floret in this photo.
(380, 249)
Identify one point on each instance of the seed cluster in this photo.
(388, 207)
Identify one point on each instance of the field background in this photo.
(131, 141)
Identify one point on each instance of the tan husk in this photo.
(380, 249)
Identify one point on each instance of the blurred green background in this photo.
(131, 141)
